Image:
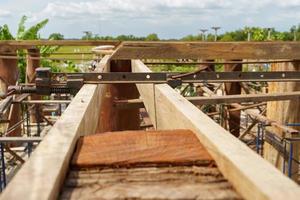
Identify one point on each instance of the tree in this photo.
(5, 33)
(88, 35)
(152, 37)
(56, 36)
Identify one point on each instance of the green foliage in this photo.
(152, 37)
(31, 33)
(5, 33)
(174, 68)
(56, 36)
(88, 35)
(192, 38)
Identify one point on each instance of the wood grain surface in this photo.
(140, 147)
(148, 183)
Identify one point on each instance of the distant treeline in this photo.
(252, 33)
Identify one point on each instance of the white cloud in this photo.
(130, 8)
(4, 13)
(155, 8)
(170, 17)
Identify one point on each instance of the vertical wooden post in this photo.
(127, 119)
(32, 65)
(112, 119)
(9, 76)
(283, 112)
(231, 89)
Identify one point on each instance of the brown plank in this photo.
(208, 50)
(139, 147)
(32, 43)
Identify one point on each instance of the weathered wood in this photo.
(284, 113)
(4, 105)
(33, 43)
(138, 103)
(47, 102)
(212, 62)
(126, 119)
(9, 76)
(234, 118)
(245, 98)
(131, 148)
(208, 50)
(251, 175)
(148, 183)
(241, 108)
(20, 139)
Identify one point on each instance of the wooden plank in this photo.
(208, 50)
(138, 103)
(20, 139)
(132, 148)
(234, 118)
(43, 174)
(245, 98)
(147, 93)
(148, 183)
(31, 43)
(47, 102)
(251, 175)
(4, 104)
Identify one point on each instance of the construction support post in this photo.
(285, 112)
(111, 118)
(231, 89)
(32, 65)
(127, 119)
(9, 76)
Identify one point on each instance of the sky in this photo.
(167, 18)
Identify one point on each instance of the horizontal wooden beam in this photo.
(138, 103)
(46, 102)
(20, 139)
(267, 121)
(208, 50)
(252, 176)
(245, 98)
(32, 43)
(219, 62)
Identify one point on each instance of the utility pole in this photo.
(88, 34)
(216, 28)
(203, 34)
(249, 36)
(269, 33)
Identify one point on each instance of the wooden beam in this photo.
(20, 139)
(33, 43)
(46, 102)
(252, 176)
(43, 174)
(245, 98)
(241, 108)
(234, 118)
(268, 121)
(208, 50)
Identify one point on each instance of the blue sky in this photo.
(167, 18)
